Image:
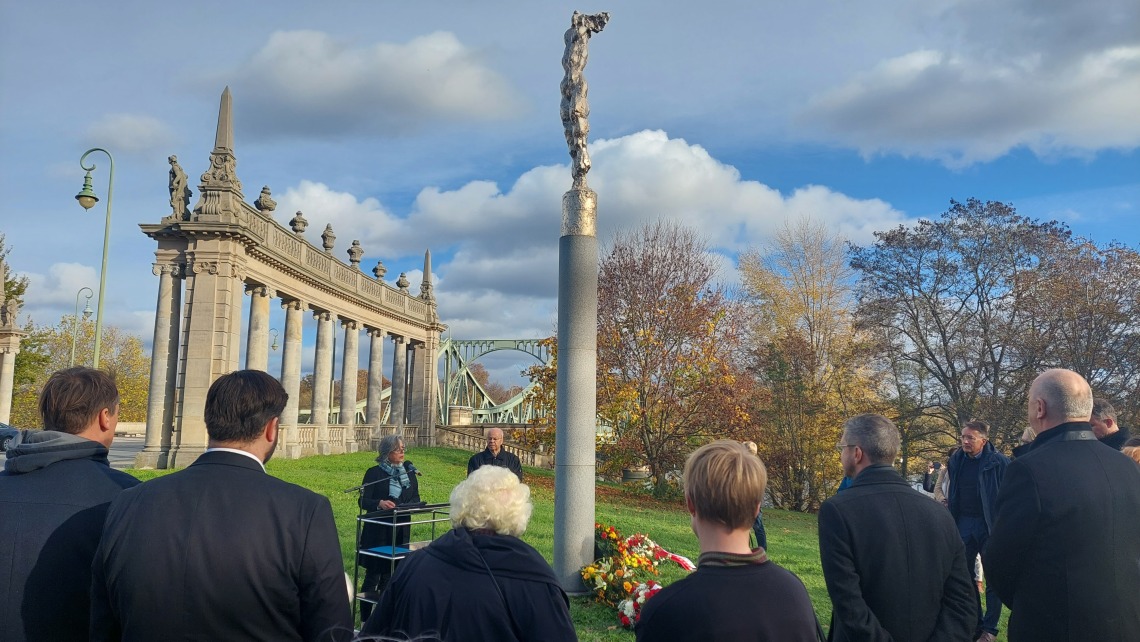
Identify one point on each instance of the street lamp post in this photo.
(87, 199)
(274, 333)
(86, 315)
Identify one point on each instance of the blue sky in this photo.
(435, 124)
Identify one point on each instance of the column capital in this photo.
(257, 289)
(173, 269)
(292, 304)
(322, 315)
(350, 324)
(376, 333)
(399, 338)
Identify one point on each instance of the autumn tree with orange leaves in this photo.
(667, 337)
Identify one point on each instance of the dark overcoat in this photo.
(894, 564)
(219, 551)
(1064, 552)
(470, 586)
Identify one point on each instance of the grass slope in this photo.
(792, 537)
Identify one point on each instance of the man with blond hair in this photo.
(736, 593)
(1064, 552)
(892, 559)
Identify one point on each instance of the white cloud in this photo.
(1057, 78)
(131, 133)
(310, 84)
(497, 251)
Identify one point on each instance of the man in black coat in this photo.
(892, 559)
(222, 550)
(54, 493)
(976, 471)
(1104, 426)
(494, 455)
(1064, 553)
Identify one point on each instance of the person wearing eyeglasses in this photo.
(976, 473)
(387, 485)
(892, 559)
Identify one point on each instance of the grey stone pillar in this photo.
(576, 421)
(424, 389)
(291, 376)
(399, 380)
(349, 365)
(163, 352)
(375, 375)
(322, 371)
(7, 377)
(257, 337)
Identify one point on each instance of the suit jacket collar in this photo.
(878, 474)
(227, 458)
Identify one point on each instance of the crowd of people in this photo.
(223, 551)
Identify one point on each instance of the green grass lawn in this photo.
(792, 539)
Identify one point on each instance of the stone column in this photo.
(291, 376)
(349, 365)
(164, 350)
(209, 336)
(375, 375)
(399, 380)
(257, 337)
(322, 371)
(576, 428)
(9, 348)
(424, 390)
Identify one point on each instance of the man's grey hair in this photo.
(875, 435)
(1068, 405)
(1102, 409)
(388, 443)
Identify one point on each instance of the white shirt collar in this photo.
(239, 452)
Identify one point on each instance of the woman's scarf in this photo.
(397, 479)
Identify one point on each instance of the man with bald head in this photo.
(494, 455)
(1064, 551)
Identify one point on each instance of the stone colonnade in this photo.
(169, 441)
(210, 256)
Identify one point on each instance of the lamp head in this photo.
(86, 196)
(87, 309)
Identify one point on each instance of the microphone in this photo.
(412, 469)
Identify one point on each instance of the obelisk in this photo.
(577, 325)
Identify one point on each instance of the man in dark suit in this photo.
(892, 559)
(222, 550)
(1064, 553)
(494, 455)
(54, 493)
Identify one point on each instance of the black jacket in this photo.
(54, 494)
(894, 564)
(445, 592)
(1116, 440)
(219, 551)
(750, 603)
(373, 534)
(504, 459)
(991, 469)
(1064, 552)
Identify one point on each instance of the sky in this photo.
(434, 124)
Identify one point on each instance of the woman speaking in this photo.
(387, 485)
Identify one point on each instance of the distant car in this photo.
(9, 437)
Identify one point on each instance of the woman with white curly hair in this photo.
(478, 581)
